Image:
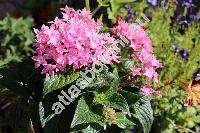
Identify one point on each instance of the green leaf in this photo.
(58, 82)
(144, 113)
(51, 122)
(103, 80)
(130, 97)
(115, 101)
(91, 129)
(42, 115)
(114, 85)
(124, 121)
(123, 1)
(111, 98)
(116, 4)
(16, 38)
(85, 114)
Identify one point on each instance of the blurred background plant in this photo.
(16, 39)
(16, 45)
(180, 55)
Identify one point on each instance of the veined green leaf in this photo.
(85, 115)
(123, 121)
(115, 101)
(130, 97)
(58, 82)
(144, 113)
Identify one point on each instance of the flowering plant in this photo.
(76, 42)
(89, 75)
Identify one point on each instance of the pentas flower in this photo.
(147, 90)
(141, 50)
(76, 39)
(135, 71)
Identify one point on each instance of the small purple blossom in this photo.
(127, 7)
(196, 75)
(130, 13)
(187, 4)
(184, 54)
(192, 17)
(185, 22)
(175, 48)
(153, 2)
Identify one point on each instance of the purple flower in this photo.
(127, 7)
(175, 48)
(130, 13)
(196, 75)
(184, 54)
(187, 4)
(153, 2)
(185, 21)
(192, 17)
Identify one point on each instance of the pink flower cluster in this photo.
(148, 90)
(76, 40)
(142, 51)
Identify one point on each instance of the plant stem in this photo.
(87, 4)
(96, 9)
(99, 6)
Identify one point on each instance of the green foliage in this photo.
(100, 105)
(144, 113)
(16, 39)
(58, 81)
(52, 123)
(15, 87)
(116, 101)
(86, 114)
(170, 115)
(115, 7)
(124, 121)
